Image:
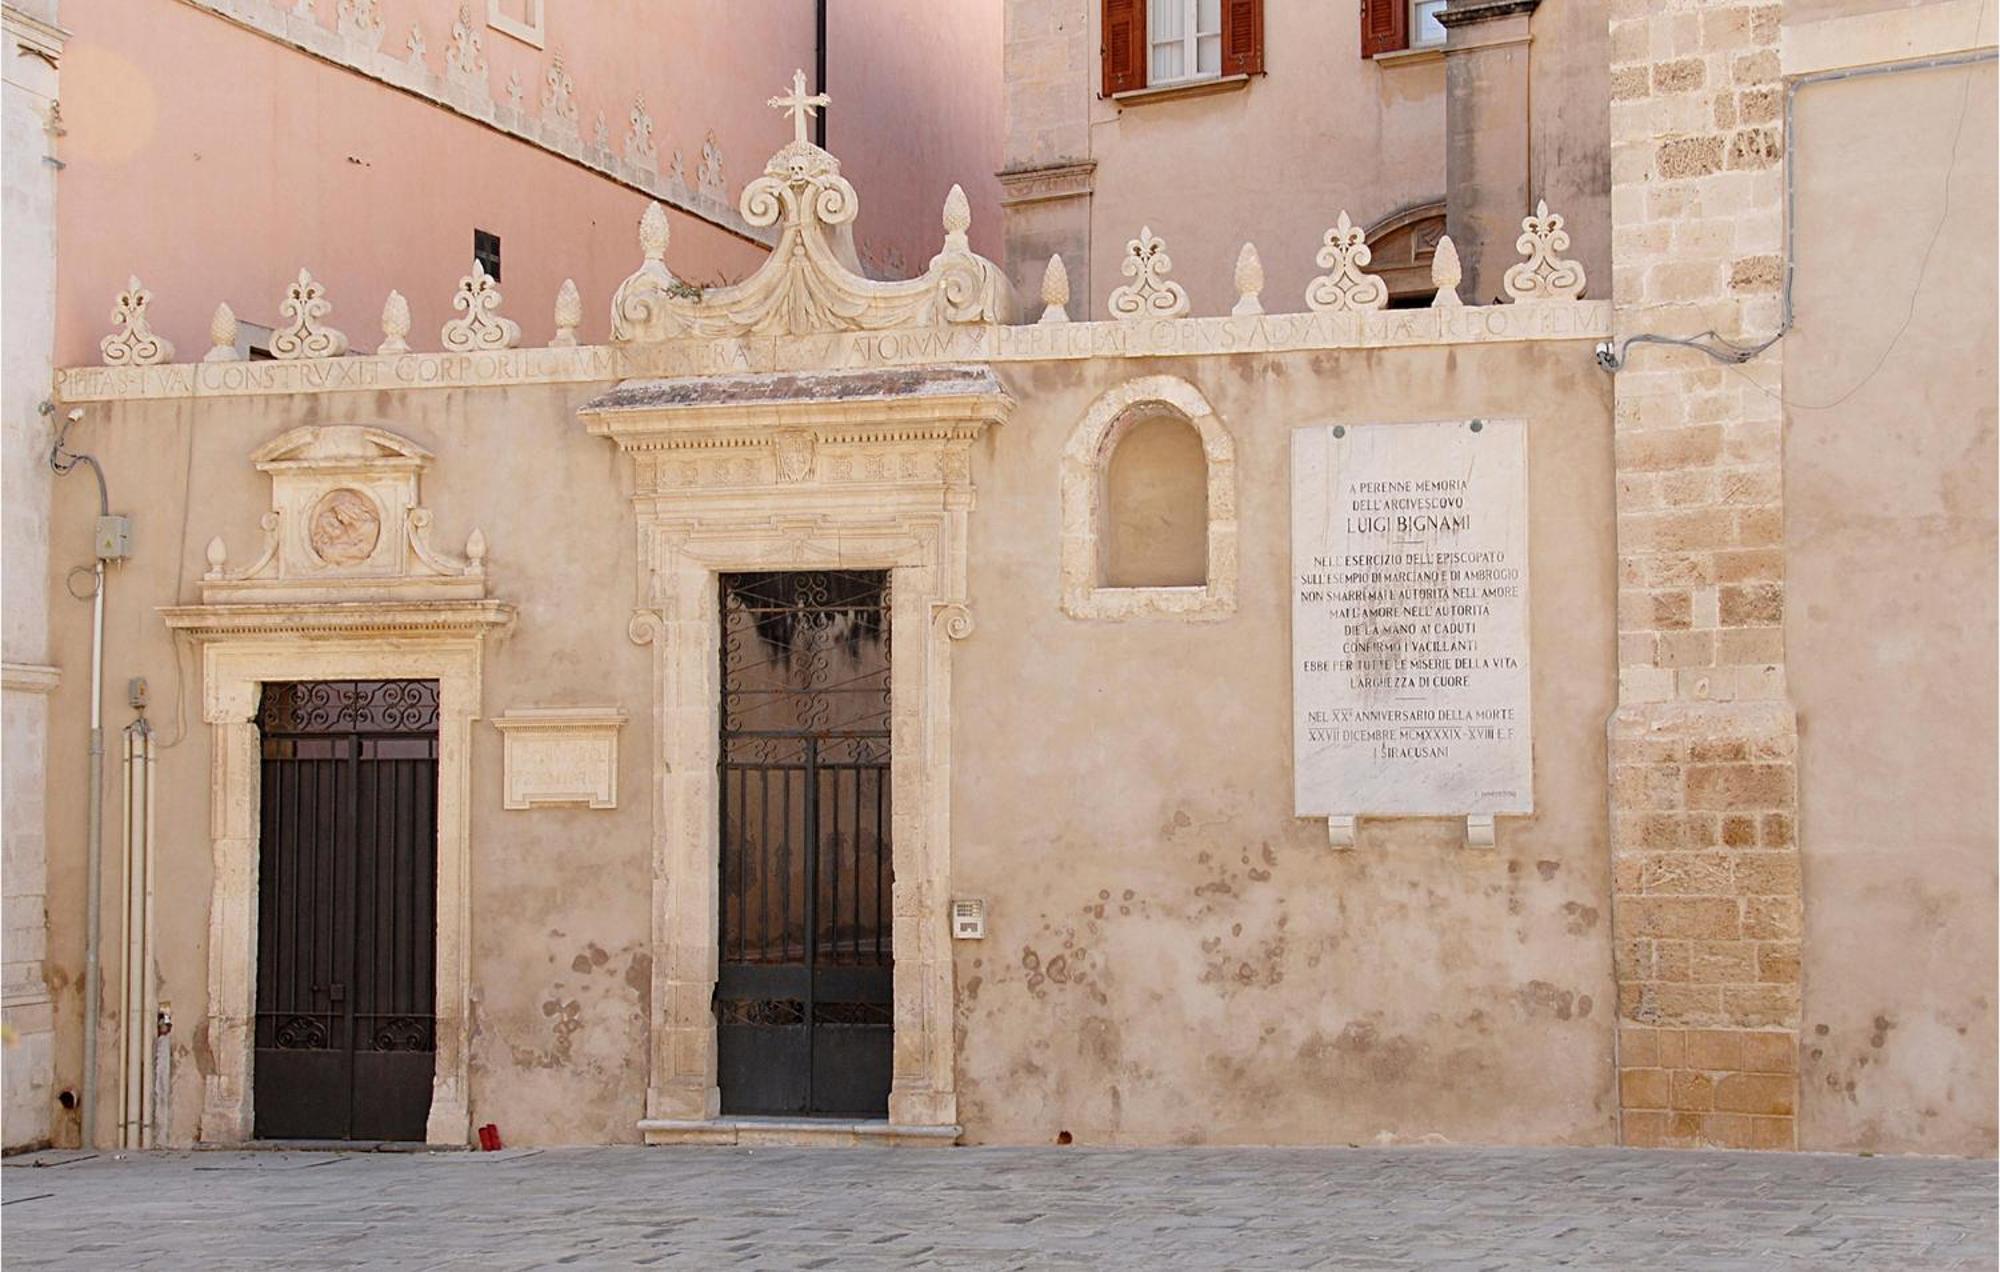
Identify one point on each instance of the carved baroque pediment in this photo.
(868, 435)
(347, 524)
(810, 282)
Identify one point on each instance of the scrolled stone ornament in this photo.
(1150, 294)
(134, 343)
(305, 303)
(638, 306)
(479, 325)
(1544, 275)
(1344, 287)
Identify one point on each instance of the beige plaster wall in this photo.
(1274, 162)
(1890, 535)
(560, 929)
(1170, 951)
(1171, 956)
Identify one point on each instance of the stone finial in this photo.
(654, 231)
(480, 325)
(395, 324)
(1249, 283)
(1055, 291)
(1445, 274)
(1344, 287)
(569, 313)
(475, 551)
(1150, 294)
(134, 343)
(222, 336)
(1544, 275)
(218, 557)
(957, 218)
(305, 303)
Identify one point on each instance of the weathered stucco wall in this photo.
(560, 933)
(1890, 542)
(1170, 949)
(1172, 956)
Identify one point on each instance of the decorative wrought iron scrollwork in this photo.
(761, 1011)
(404, 1033)
(301, 1033)
(805, 652)
(349, 706)
(853, 1014)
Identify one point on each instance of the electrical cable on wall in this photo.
(1612, 355)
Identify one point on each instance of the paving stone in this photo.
(998, 1208)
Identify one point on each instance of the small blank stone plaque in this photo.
(1410, 687)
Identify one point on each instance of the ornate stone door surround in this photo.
(316, 606)
(868, 470)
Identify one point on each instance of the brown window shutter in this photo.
(1242, 37)
(1385, 26)
(1124, 45)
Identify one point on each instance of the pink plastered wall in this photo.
(916, 108)
(213, 161)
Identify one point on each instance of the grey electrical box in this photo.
(114, 538)
(137, 693)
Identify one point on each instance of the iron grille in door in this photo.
(803, 992)
(347, 906)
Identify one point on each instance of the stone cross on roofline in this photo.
(799, 106)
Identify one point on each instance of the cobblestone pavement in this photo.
(987, 1207)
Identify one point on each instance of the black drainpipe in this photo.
(819, 70)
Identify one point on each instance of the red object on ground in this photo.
(489, 1138)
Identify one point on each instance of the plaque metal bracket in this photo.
(1479, 831)
(1340, 831)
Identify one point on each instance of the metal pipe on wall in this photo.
(93, 930)
(136, 1025)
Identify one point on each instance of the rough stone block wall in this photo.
(1706, 897)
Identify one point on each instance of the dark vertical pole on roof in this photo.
(819, 70)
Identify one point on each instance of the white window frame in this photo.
(534, 31)
(1417, 28)
(1191, 36)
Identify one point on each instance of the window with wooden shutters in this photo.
(1125, 45)
(1242, 37)
(1385, 26)
(1162, 43)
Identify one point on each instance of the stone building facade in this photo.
(864, 711)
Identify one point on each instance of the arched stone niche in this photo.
(1099, 512)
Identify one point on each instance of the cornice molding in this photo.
(851, 351)
(343, 619)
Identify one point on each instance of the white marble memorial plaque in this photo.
(1410, 619)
